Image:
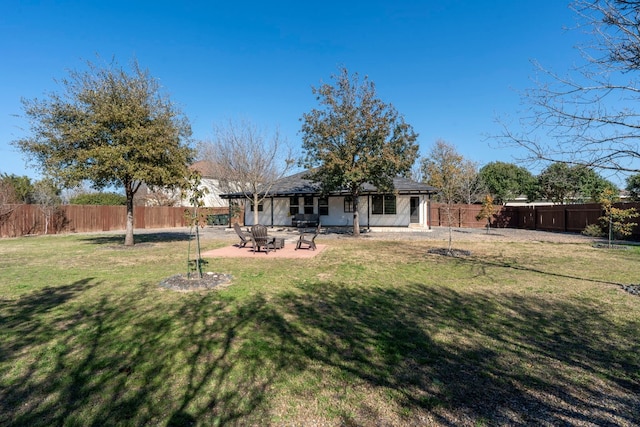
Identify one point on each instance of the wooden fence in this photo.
(465, 216)
(558, 218)
(21, 220)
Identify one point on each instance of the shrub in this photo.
(593, 230)
(106, 199)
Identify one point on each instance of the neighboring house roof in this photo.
(299, 184)
(206, 168)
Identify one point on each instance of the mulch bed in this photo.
(632, 289)
(182, 283)
(449, 252)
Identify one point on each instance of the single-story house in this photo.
(295, 195)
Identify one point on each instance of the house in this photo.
(174, 197)
(407, 206)
(208, 180)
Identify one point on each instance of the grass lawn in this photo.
(369, 332)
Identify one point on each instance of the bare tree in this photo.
(472, 188)
(157, 196)
(47, 196)
(588, 116)
(444, 168)
(249, 160)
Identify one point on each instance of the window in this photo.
(383, 205)
(348, 204)
(260, 207)
(308, 204)
(323, 206)
(294, 205)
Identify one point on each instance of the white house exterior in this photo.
(209, 182)
(407, 206)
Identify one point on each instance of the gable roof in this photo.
(299, 185)
(206, 168)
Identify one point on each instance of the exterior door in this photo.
(414, 213)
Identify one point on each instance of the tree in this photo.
(445, 169)
(47, 196)
(592, 184)
(633, 187)
(616, 220)
(588, 116)
(354, 138)
(556, 183)
(196, 219)
(22, 187)
(487, 211)
(472, 186)
(506, 181)
(99, 198)
(110, 127)
(562, 183)
(7, 199)
(248, 160)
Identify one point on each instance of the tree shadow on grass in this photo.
(440, 355)
(140, 239)
(22, 319)
(480, 265)
(455, 357)
(114, 361)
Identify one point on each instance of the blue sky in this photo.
(449, 66)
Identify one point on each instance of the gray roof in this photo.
(299, 185)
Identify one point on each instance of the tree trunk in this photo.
(450, 221)
(356, 215)
(128, 237)
(256, 216)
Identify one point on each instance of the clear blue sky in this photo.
(449, 66)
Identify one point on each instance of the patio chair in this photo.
(261, 239)
(245, 237)
(308, 239)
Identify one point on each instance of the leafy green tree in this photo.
(506, 181)
(22, 187)
(633, 187)
(556, 183)
(592, 185)
(111, 127)
(100, 198)
(563, 183)
(355, 138)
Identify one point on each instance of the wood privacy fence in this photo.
(465, 216)
(559, 218)
(21, 220)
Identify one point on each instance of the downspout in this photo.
(429, 210)
(368, 212)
